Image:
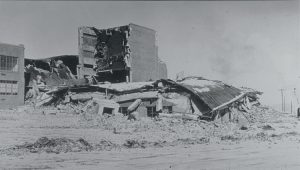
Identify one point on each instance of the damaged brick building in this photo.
(122, 54)
(110, 58)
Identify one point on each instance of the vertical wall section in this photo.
(146, 65)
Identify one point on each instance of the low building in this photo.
(11, 75)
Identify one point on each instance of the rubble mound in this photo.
(132, 143)
(54, 145)
(105, 145)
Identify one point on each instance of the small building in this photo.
(11, 75)
(147, 107)
(122, 54)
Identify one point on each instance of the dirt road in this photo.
(271, 144)
(219, 156)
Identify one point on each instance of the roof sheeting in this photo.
(212, 93)
(208, 95)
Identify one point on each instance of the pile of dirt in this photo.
(106, 145)
(131, 143)
(53, 145)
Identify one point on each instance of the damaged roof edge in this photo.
(229, 102)
(54, 57)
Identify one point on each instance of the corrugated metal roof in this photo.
(213, 93)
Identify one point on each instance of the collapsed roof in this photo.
(210, 96)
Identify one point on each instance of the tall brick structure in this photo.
(120, 54)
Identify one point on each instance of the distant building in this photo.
(122, 54)
(11, 75)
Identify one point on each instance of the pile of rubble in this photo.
(191, 98)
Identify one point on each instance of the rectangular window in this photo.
(108, 110)
(8, 63)
(2, 87)
(123, 110)
(151, 111)
(8, 87)
(167, 109)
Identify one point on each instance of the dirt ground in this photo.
(47, 138)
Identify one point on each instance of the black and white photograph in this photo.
(150, 85)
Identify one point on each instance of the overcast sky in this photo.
(252, 44)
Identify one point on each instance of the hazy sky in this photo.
(252, 44)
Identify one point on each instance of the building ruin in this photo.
(122, 54)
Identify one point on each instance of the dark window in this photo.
(108, 110)
(123, 110)
(88, 65)
(8, 87)
(167, 109)
(8, 63)
(151, 111)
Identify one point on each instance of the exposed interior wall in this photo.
(15, 77)
(111, 48)
(105, 52)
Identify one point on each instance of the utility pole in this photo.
(291, 107)
(297, 105)
(282, 103)
(296, 96)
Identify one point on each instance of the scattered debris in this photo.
(243, 128)
(229, 137)
(267, 127)
(134, 105)
(54, 145)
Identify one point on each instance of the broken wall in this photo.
(144, 62)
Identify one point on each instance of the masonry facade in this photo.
(11, 75)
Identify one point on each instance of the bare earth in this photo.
(267, 140)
